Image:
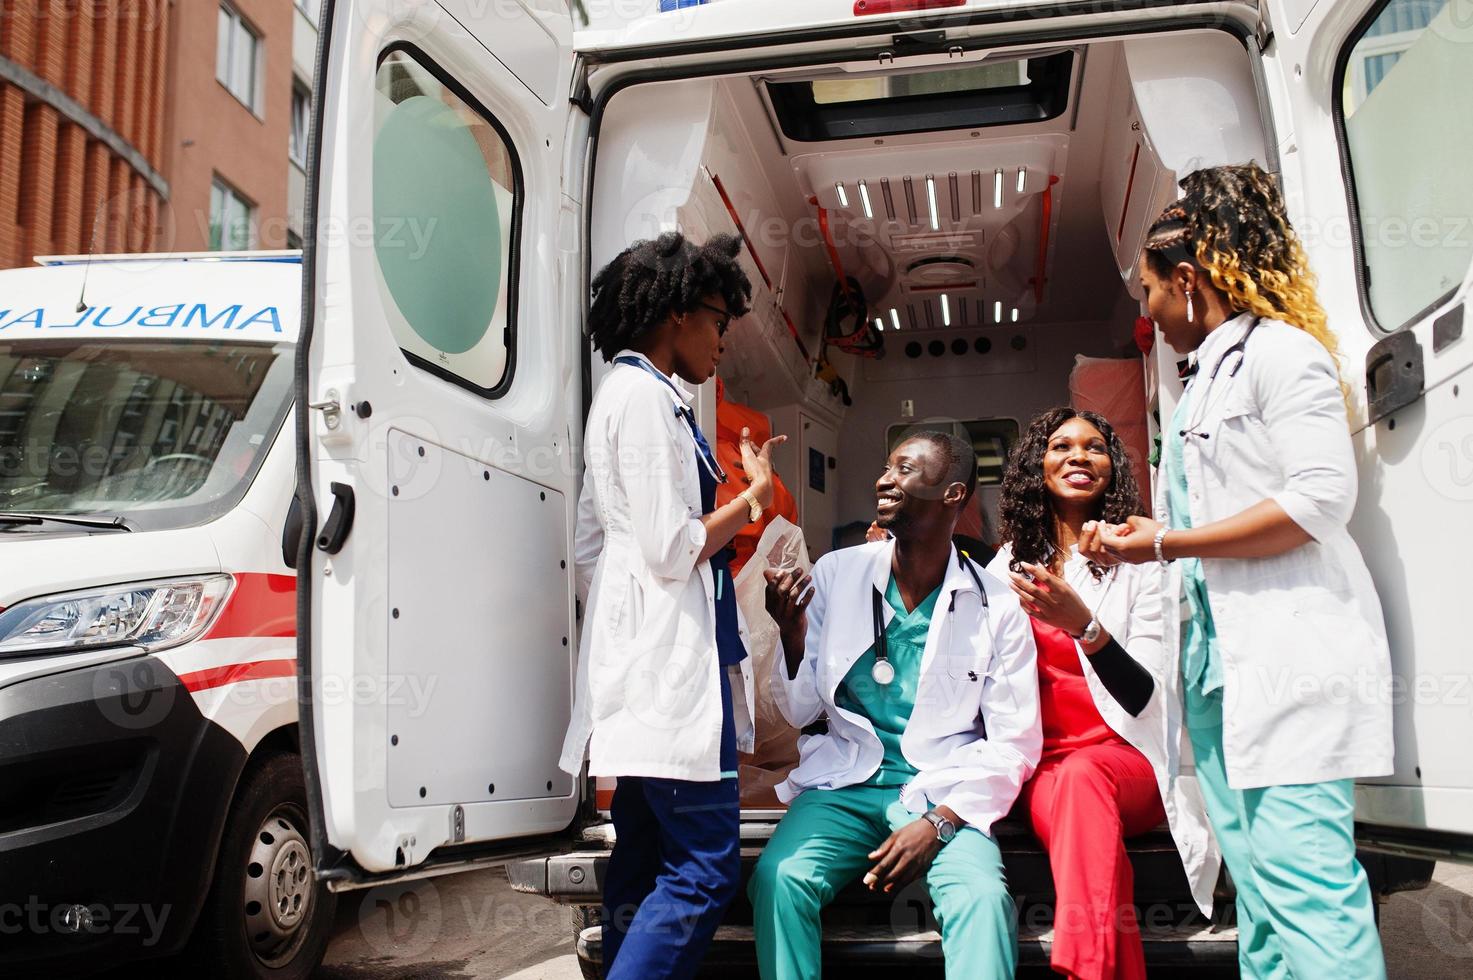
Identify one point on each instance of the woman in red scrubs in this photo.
(1104, 774)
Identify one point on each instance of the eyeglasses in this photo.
(725, 316)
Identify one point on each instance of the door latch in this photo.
(1394, 375)
(331, 409)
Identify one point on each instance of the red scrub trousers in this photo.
(1092, 789)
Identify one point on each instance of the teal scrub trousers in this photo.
(823, 843)
(1304, 904)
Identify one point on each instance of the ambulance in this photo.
(151, 789)
(964, 184)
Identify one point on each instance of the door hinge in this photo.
(1264, 33)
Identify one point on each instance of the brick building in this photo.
(81, 125)
(152, 125)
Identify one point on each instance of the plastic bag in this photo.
(776, 752)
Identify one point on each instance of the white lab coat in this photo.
(979, 668)
(1301, 639)
(647, 698)
(1127, 603)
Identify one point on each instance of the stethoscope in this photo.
(883, 672)
(1200, 406)
(708, 458)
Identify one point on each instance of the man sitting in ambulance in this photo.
(925, 667)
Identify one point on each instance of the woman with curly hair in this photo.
(1283, 657)
(662, 640)
(1109, 728)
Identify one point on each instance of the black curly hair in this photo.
(653, 278)
(1026, 509)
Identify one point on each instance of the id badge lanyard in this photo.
(883, 672)
(708, 458)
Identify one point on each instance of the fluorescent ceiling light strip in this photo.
(931, 202)
(864, 199)
(843, 195)
(895, 317)
(997, 188)
(1022, 178)
(1015, 314)
(997, 311)
(945, 311)
(879, 324)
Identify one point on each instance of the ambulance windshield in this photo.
(161, 434)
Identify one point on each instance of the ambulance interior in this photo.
(984, 209)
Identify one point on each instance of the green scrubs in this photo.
(824, 841)
(1304, 904)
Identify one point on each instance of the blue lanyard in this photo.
(708, 458)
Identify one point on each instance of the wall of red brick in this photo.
(213, 134)
(59, 184)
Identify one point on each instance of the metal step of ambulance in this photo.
(1203, 949)
(1161, 889)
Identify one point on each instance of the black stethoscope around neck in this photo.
(1199, 404)
(883, 672)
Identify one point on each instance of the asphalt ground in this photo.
(473, 925)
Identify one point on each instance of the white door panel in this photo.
(440, 634)
(1390, 241)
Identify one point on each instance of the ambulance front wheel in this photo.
(266, 917)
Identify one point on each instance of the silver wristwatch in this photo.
(945, 829)
(1091, 632)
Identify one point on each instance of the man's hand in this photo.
(787, 598)
(904, 857)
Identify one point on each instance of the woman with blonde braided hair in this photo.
(1284, 673)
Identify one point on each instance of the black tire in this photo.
(266, 917)
(582, 917)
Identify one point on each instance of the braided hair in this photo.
(653, 278)
(1231, 223)
(1027, 508)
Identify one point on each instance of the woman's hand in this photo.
(757, 464)
(876, 533)
(1051, 600)
(904, 857)
(1133, 542)
(1092, 545)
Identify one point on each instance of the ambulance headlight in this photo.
(152, 615)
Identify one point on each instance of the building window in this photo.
(301, 120)
(238, 58)
(446, 199)
(1407, 155)
(232, 219)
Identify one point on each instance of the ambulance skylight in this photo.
(994, 92)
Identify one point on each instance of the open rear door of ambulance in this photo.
(439, 373)
(1362, 90)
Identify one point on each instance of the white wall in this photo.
(945, 388)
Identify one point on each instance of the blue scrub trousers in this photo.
(1304, 904)
(675, 867)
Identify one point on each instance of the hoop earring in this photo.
(1190, 317)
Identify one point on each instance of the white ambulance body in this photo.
(148, 742)
(984, 170)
